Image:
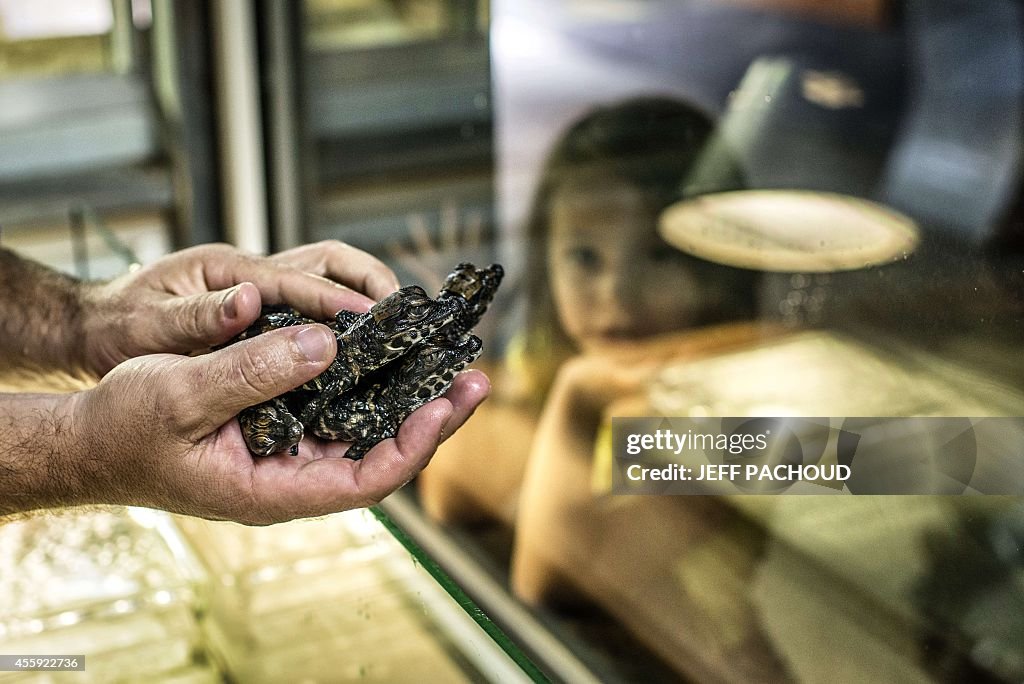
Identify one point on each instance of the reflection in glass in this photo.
(872, 224)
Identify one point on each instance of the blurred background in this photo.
(703, 207)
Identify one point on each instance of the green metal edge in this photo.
(465, 602)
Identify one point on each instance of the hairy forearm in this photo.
(38, 462)
(40, 315)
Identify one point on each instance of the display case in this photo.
(134, 594)
(113, 588)
(705, 210)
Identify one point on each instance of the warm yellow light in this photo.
(789, 230)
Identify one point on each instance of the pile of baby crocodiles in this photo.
(391, 360)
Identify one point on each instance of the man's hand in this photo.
(159, 431)
(203, 296)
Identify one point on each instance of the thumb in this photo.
(203, 320)
(252, 371)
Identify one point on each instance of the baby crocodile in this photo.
(401, 354)
(365, 342)
(373, 411)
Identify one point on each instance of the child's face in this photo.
(612, 276)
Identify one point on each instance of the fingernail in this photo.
(314, 342)
(230, 305)
(444, 423)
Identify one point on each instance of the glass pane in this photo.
(136, 593)
(365, 608)
(721, 209)
(112, 587)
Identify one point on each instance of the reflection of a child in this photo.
(609, 276)
(599, 274)
(607, 295)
